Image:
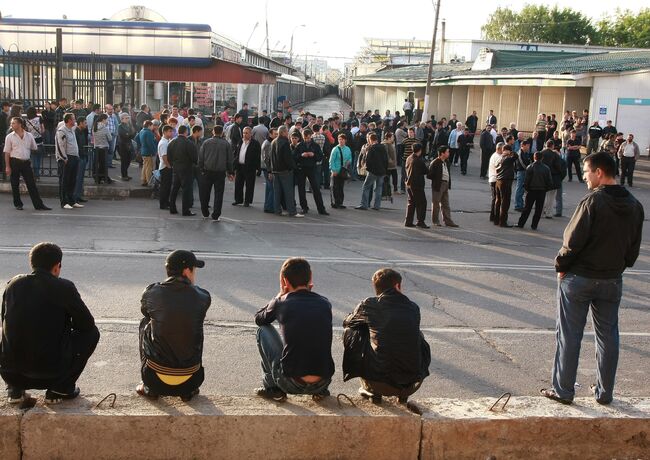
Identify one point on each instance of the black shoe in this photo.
(269, 211)
(334, 206)
(304, 211)
(557, 215)
(54, 397)
(16, 395)
(236, 203)
(422, 225)
(532, 228)
(519, 209)
(144, 390)
(164, 208)
(205, 213)
(375, 398)
(189, 213)
(246, 205)
(273, 393)
(363, 208)
(323, 213)
(320, 396)
(506, 225)
(173, 211)
(19, 208)
(409, 225)
(342, 206)
(81, 200)
(43, 208)
(548, 217)
(188, 397)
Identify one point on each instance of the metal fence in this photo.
(45, 165)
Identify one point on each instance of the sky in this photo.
(333, 32)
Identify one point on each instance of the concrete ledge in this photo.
(9, 432)
(220, 427)
(115, 192)
(536, 428)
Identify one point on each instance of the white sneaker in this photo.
(77, 205)
(299, 215)
(67, 206)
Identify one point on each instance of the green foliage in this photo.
(539, 23)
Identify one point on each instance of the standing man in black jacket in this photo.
(215, 162)
(390, 354)
(376, 169)
(486, 142)
(601, 240)
(48, 334)
(537, 182)
(298, 360)
(416, 170)
(472, 123)
(552, 159)
(282, 167)
(247, 162)
(182, 155)
(171, 332)
(440, 185)
(505, 176)
(306, 155)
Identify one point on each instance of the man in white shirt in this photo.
(18, 147)
(492, 179)
(628, 153)
(408, 110)
(246, 165)
(165, 168)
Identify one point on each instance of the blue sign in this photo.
(633, 101)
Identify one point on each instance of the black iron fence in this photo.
(45, 165)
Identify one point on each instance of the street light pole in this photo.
(291, 45)
(425, 112)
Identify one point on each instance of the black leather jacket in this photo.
(171, 332)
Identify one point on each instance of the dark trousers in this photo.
(24, 168)
(82, 346)
(160, 388)
(125, 160)
(181, 178)
(244, 177)
(502, 202)
(541, 138)
(493, 198)
(485, 162)
(454, 155)
(464, 156)
(337, 196)
(533, 197)
(208, 181)
(301, 176)
(393, 175)
(325, 174)
(101, 173)
(409, 116)
(68, 179)
(165, 187)
(573, 160)
(627, 169)
(416, 205)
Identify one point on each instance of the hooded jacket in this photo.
(604, 234)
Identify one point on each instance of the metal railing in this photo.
(49, 167)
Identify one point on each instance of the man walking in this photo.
(67, 158)
(17, 152)
(416, 205)
(440, 185)
(628, 152)
(215, 162)
(537, 182)
(48, 333)
(171, 331)
(376, 169)
(601, 240)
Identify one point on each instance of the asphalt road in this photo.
(486, 294)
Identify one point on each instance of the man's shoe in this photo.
(593, 387)
(188, 397)
(376, 209)
(273, 393)
(409, 225)
(519, 209)
(334, 206)
(375, 398)
(422, 225)
(67, 206)
(548, 217)
(269, 211)
(320, 396)
(77, 205)
(298, 215)
(173, 211)
(437, 224)
(361, 207)
(323, 213)
(19, 208)
(189, 213)
(557, 215)
(551, 394)
(304, 211)
(235, 203)
(43, 208)
(81, 200)
(205, 213)
(215, 218)
(16, 396)
(54, 397)
(143, 390)
(506, 226)
(342, 206)
(452, 225)
(246, 205)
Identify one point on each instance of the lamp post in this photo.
(291, 45)
(425, 112)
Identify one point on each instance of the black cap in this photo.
(179, 260)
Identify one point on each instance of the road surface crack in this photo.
(492, 344)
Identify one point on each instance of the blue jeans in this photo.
(519, 191)
(268, 191)
(378, 182)
(270, 346)
(79, 187)
(111, 152)
(576, 295)
(37, 157)
(558, 201)
(283, 187)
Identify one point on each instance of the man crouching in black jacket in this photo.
(171, 332)
(48, 334)
(383, 344)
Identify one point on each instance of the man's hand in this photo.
(8, 170)
(561, 275)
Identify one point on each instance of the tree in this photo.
(540, 24)
(626, 29)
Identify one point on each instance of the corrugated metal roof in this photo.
(417, 72)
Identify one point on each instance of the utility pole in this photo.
(268, 51)
(425, 112)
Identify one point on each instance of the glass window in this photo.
(180, 93)
(203, 98)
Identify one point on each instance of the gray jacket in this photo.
(216, 155)
(66, 143)
(102, 137)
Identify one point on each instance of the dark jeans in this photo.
(101, 173)
(493, 198)
(454, 155)
(209, 180)
(37, 157)
(24, 168)
(502, 202)
(325, 174)
(533, 197)
(385, 389)
(68, 179)
(125, 160)
(576, 296)
(464, 156)
(301, 176)
(393, 176)
(416, 205)
(160, 388)
(79, 182)
(627, 169)
(82, 347)
(268, 191)
(284, 192)
(269, 344)
(244, 177)
(182, 178)
(485, 162)
(573, 160)
(165, 187)
(337, 195)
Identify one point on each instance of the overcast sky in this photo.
(338, 28)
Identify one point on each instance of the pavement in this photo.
(486, 294)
